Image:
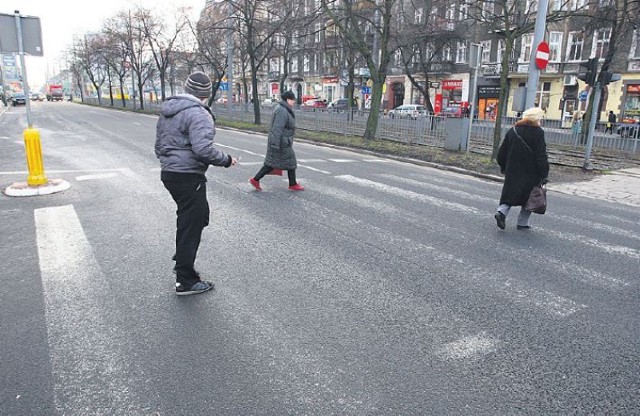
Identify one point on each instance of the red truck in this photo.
(54, 92)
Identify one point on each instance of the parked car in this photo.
(37, 96)
(453, 111)
(19, 98)
(339, 104)
(313, 105)
(270, 102)
(630, 130)
(413, 111)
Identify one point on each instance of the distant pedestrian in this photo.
(611, 121)
(523, 161)
(185, 147)
(576, 123)
(280, 154)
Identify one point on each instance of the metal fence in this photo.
(427, 130)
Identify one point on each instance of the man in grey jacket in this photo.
(185, 147)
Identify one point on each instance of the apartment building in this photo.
(432, 42)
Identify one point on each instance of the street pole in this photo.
(474, 88)
(25, 81)
(538, 36)
(597, 91)
(230, 58)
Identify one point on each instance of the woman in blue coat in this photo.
(280, 154)
(523, 161)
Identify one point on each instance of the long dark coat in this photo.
(280, 152)
(522, 168)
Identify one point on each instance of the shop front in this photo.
(452, 93)
(488, 96)
(631, 102)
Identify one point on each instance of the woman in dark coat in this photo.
(280, 154)
(523, 161)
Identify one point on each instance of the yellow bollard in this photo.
(34, 158)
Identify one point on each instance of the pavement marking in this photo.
(311, 160)
(85, 350)
(377, 160)
(96, 176)
(428, 185)
(410, 194)
(592, 242)
(315, 169)
(24, 172)
(515, 290)
(468, 347)
(343, 160)
(238, 149)
(6, 138)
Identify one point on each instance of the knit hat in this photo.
(198, 84)
(288, 95)
(533, 114)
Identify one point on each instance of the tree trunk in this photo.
(140, 92)
(374, 111)
(121, 80)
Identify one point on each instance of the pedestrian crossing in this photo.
(438, 230)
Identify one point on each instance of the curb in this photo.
(417, 162)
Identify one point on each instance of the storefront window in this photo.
(632, 103)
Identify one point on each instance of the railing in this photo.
(425, 130)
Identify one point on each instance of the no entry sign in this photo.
(542, 55)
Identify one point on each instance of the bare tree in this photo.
(210, 35)
(358, 22)
(90, 57)
(257, 23)
(161, 40)
(116, 59)
(610, 23)
(426, 38)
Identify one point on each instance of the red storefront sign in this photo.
(633, 88)
(452, 84)
(437, 106)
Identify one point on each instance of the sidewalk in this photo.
(622, 186)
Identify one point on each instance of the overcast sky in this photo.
(61, 19)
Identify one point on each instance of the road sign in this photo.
(366, 90)
(542, 55)
(31, 34)
(224, 86)
(583, 95)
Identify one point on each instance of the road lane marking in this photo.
(85, 350)
(517, 291)
(411, 195)
(23, 172)
(343, 160)
(468, 347)
(592, 242)
(96, 176)
(315, 169)
(238, 149)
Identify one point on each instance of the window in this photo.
(400, 20)
(635, 45)
(305, 65)
(555, 46)
(446, 54)
(295, 38)
(488, 9)
(502, 48)
(316, 63)
(462, 53)
(486, 52)
(525, 47)
(464, 10)
(600, 45)
(318, 32)
(433, 17)
(574, 46)
(579, 4)
(398, 57)
(450, 16)
(294, 64)
(418, 15)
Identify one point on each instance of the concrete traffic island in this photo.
(24, 189)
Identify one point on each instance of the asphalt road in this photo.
(385, 288)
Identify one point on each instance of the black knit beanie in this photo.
(288, 95)
(198, 84)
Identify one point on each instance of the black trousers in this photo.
(193, 216)
(264, 170)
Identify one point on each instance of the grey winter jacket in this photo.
(280, 152)
(184, 137)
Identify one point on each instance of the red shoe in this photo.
(255, 184)
(296, 187)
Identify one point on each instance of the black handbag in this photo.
(537, 201)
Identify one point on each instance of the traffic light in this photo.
(589, 76)
(608, 77)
